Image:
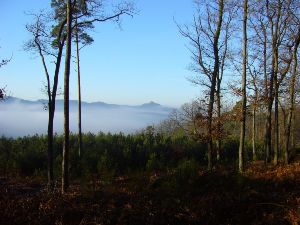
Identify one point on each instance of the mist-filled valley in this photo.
(19, 117)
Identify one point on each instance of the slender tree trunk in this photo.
(218, 142)
(276, 84)
(244, 98)
(292, 100)
(268, 119)
(254, 134)
(268, 134)
(218, 94)
(213, 84)
(50, 120)
(276, 122)
(273, 77)
(79, 96)
(65, 161)
(293, 130)
(50, 147)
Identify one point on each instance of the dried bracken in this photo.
(262, 195)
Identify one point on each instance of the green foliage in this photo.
(186, 171)
(110, 155)
(153, 163)
(25, 156)
(230, 149)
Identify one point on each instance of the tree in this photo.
(244, 96)
(84, 14)
(47, 44)
(253, 84)
(274, 15)
(292, 94)
(223, 59)
(79, 93)
(209, 40)
(284, 63)
(190, 117)
(48, 39)
(65, 161)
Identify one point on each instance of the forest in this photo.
(230, 156)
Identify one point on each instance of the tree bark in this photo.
(273, 79)
(51, 103)
(292, 99)
(79, 95)
(267, 138)
(218, 95)
(50, 148)
(254, 157)
(65, 161)
(276, 84)
(244, 98)
(213, 84)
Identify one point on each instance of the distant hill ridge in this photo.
(20, 117)
(74, 103)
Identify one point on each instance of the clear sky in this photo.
(145, 61)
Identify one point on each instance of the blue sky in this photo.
(145, 61)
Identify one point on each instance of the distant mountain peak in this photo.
(17, 115)
(73, 103)
(151, 104)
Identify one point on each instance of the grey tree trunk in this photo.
(292, 100)
(267, 138)
(65, 161)
(213, 84)
(51, 103)
(276, 122)
(254, 134)
(244, 97)
(79, 95)
(50, 147)
(273, 78)
(275, 37)
(218, 95)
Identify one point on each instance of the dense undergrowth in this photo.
(117, 154)
(146, 178)
(261, 196)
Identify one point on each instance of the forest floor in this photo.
(262, 195)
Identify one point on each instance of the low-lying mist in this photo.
(20, 117)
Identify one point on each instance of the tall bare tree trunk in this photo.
(213, 83)
(65, 161)
(293, 130)
(254, 157)
(52, 110)
(218, 95)
(273, 77)
(267, 138)
(268, 134)
(218, 92)
(50, 123)
(292, 99)
(79, 95)
(276, 121)
(275, 52)
(51, 104)
(244, 98)
(50, 147)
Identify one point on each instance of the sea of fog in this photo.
(21, 117)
